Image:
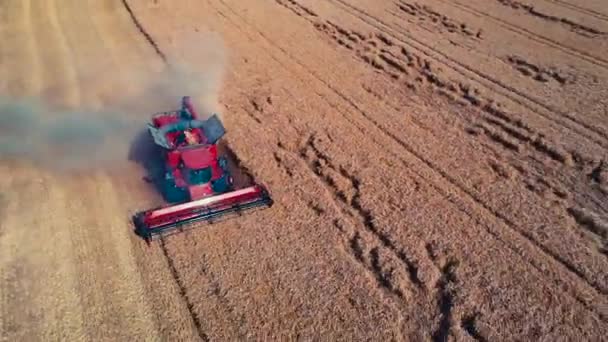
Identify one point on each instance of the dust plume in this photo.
(197, 67)
(83, 137)
(34, 132)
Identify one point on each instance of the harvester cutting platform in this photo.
(194, 179)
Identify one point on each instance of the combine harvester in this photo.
(194, 179)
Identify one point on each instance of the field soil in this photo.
(439, 169)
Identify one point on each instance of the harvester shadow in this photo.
(144, 152)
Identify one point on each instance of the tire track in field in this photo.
(422, 14)
(518, 144)
(539, 184)
(342, 42)
(344, 187)
(521, 238)
(444, 175)
(143, 31)
(393, 268)
(388, 273)
(114, 27)
(581, 9)
(581, 128)
(411, 70)
(598, 61)
(183, 291)
(580, 29)
(403, 66)
(539, 73)
(498, 136)
(570, 267)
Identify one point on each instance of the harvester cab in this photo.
(196, 180)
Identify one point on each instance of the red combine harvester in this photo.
(194, 179)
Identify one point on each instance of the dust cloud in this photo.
(82, 138)
(32, 131)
